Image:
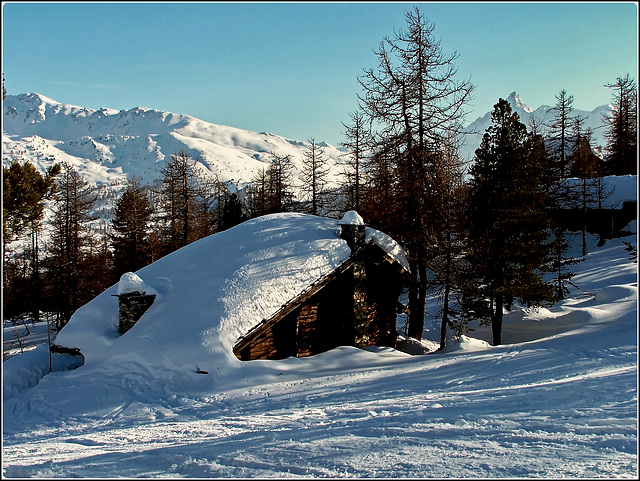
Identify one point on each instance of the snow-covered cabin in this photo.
(355, 304)
(216, 296)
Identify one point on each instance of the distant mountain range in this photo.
(543, 116)
(107, 146)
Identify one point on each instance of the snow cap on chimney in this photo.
(351, 218)
(352, 229)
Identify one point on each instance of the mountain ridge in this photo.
(136, 141)
(108, 145)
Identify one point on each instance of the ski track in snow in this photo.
(432, 421)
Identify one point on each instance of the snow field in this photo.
(558, 400)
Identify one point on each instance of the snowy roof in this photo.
(214, 291)
(390, 246)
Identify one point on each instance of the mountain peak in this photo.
(34, 98)
(515, 100)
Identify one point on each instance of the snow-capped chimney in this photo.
(134, 298)
(352, 229)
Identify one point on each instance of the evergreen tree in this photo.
(508, 248)
(357, 142)
(232, 213)
(279, 188)
(25, 192)
(561, 263)
(257, 194)
(183, 205)
(565, 197)
(446, 232)
(585, 164)
(379, 200)
(96, 266)
(70, 237)
(216, 194)
(131, 224)
(622, 135)
(585, 168)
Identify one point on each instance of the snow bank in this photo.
(551, 404)
(468, 344)
(617, 189)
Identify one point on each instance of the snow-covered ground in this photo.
(559, 400)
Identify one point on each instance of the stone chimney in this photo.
(133, 300)
(352, 229)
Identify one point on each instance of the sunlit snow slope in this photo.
(559, 400)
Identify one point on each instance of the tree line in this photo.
(480, 233)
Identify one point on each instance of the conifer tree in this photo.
(508, 248)
(131, 226)
(232, 213)
(379, 201)
(561, 263)
(446, 231)
(257, 194)
(585, 168)
(622, 134)
(216, 195)
(271, 189)
(314, 174)
(357, 142)
(279, 187)
(183, 205)
(25, 192)
(97, 266)
(415, 101)
(70, 237)
(560, 133)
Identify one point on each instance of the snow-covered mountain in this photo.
(543, 115)
(108, 145)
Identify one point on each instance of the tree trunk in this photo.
(416, 311)
(36, 288)
(445, 317)
(445, 301)
(496, 322)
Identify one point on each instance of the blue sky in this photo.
(291, 68)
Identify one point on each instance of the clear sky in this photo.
(291, 68)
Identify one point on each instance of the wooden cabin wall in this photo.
(334, 326)
(383, 288)
(356, 308)
(321, 323)
(278, 342)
